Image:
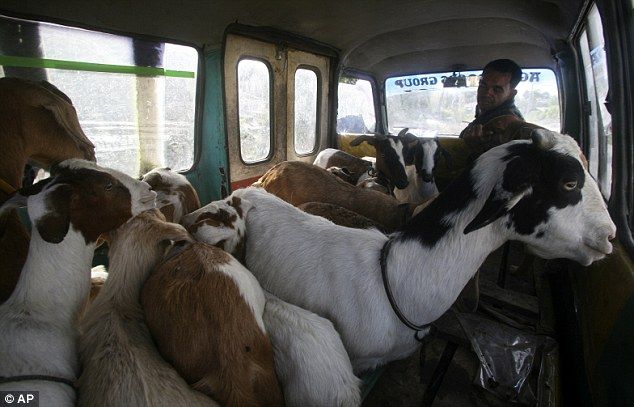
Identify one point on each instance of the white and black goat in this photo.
(390, 161)
(68, 211)
(537, 192)
(419, 166)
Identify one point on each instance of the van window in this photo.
(254, 107)
(135, 99)
(305, 113)
(429, 108)
(598, 120)
(355, 112)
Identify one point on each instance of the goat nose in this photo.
(611, 237)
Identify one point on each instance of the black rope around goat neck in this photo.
(388, 290)
(12, 379)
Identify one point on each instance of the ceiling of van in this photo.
(384, 38)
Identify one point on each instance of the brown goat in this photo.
(340, 216)
(298, 182)
(38, 123)
(176, 196)
(204, 310)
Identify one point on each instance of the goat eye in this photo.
(570, 185)
(108, 186)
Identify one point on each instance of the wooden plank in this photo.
(522, 303)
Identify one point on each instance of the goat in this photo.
(339, 215)
(175, 194)
(298, 182)
(310, 360)
(221, 224)
(355, 166)
(343, 173)
(204, 310)
(535, 191)
(39, 123)
(419, 165)
(389, 164)
(121, 365)
(69, 211)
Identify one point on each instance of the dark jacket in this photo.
(493, 132)
(506, 108)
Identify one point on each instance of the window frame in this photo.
(556, 74)
(586, 105)
(376, 95)
(619, 45)
(318, 112)
(271, 152)
(200, 66)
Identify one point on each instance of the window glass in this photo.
(429, 108)
(254, 107)
(355, 112)
(135, 99)
(599, 120)
(305, 111)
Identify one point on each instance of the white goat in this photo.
(121, 365)
(69, 211)
(310, 359)
(537, 192)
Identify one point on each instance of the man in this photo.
(497, 121)
(496, 98)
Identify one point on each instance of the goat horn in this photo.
(403, 132)
(543, 138)
(361, 139)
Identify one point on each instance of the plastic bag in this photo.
(510, 360)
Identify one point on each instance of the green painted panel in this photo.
(27, 62)
(208, 175)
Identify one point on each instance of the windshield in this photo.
(429, 109)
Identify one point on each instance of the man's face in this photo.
(495, 89)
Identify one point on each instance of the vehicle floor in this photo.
(402, 384)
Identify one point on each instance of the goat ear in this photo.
(168, 211)
(66, 118)
(20, 197)
(175, 248)
(408, 138)
(516, 183)
(53, 226)
(493, 209)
